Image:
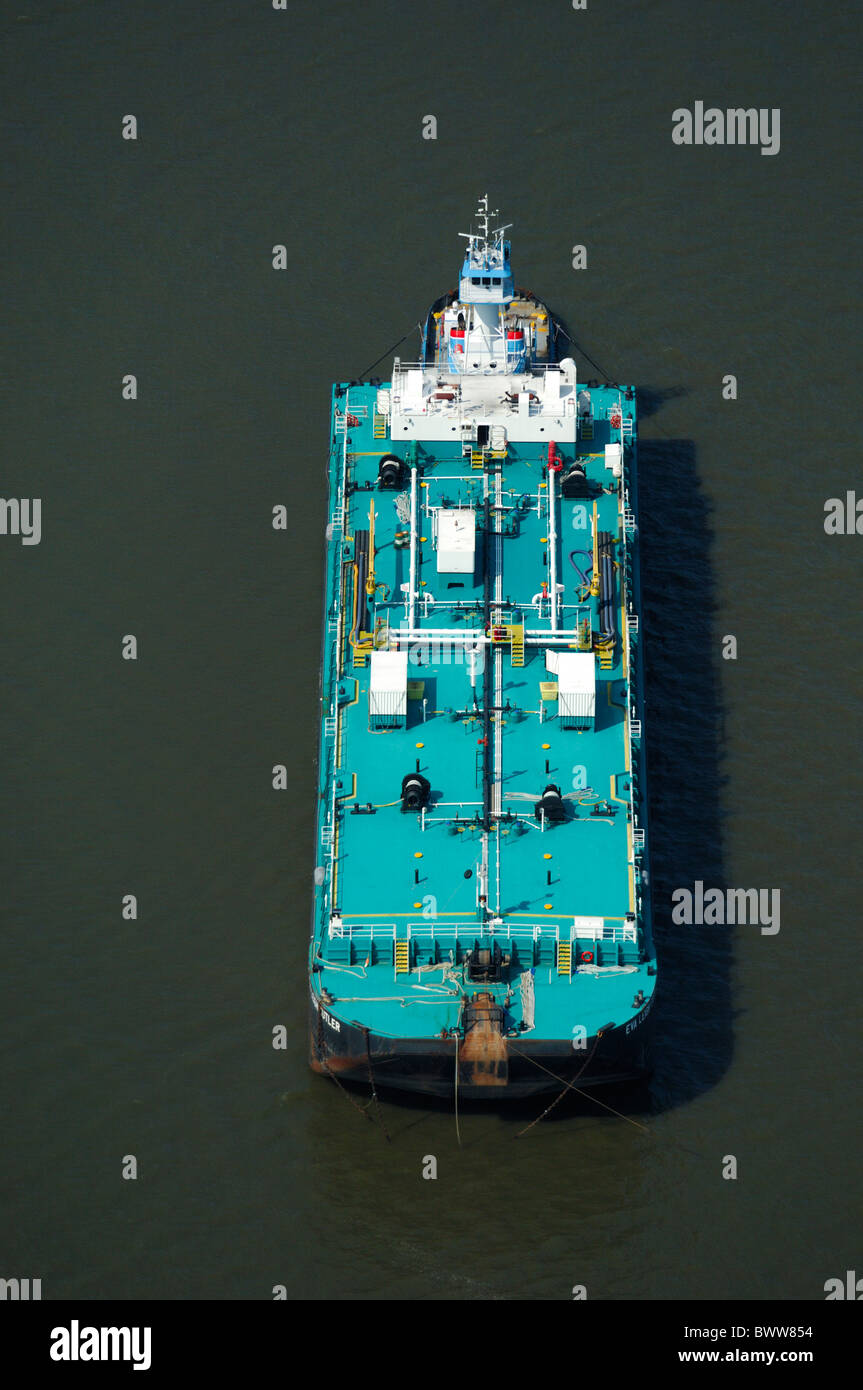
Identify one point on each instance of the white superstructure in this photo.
(491, 378)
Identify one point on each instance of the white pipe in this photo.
(552, 546)
(533, 637)
(412, 588)
(498, 734)
(442, 634)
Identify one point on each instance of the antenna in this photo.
(482, 216)
(485, 249)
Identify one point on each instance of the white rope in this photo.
(605, 969)
(528, 1000)
(359, 973)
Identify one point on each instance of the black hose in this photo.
(582, 576)
(612, 381)
(364, 374)
(607, 603)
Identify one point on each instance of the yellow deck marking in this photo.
(563, 915)
(341, 797)
(625, 631)
(345, 915)
(631, 867)
(378, 453)
(339, 724)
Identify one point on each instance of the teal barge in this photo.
(482, 910)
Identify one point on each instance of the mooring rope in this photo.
(567, 1085)
(457, 1132)
(323, 1061)
(374, 1088)
(364, 374)
(586, 355)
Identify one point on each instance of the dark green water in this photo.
(152, 777)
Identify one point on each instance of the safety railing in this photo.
(604, 930)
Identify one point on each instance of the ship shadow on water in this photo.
(684, 726)
(685, 734)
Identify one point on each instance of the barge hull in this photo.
(533, 1066)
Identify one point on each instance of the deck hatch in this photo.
(456, 541)
(388, 690)
(576, 687)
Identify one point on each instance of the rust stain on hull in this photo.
(483, 1058)
(333, 1065)
(328, 1063)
